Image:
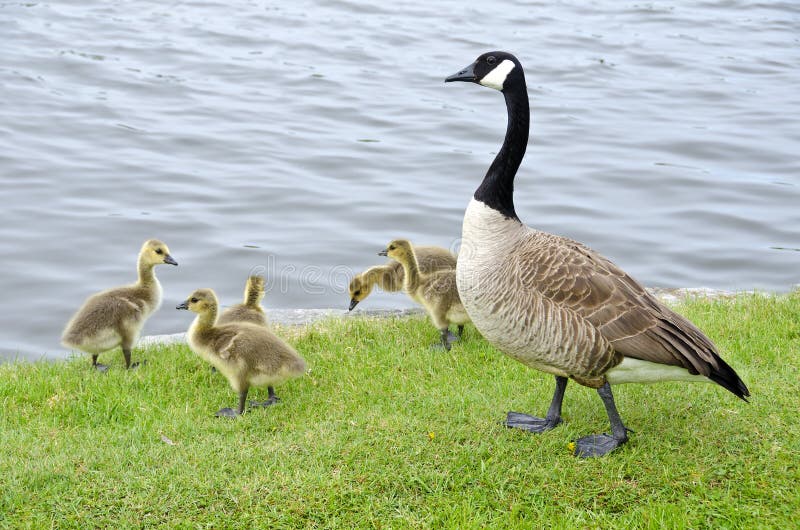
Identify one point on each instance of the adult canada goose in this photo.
(250, 309)
(115, 317)
(555, 304)
(390, 276)
(246, 354)
(435, 291)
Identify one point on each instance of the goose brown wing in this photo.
(631, 319)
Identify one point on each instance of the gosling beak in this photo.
(169, 260)
(384, 252)
(353, 304)
(465, 74)
(184, 305)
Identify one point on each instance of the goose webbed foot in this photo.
(602, 444)
(596, 445)
(102, 368)
(453, 337)
(137, 364)
(517, 420)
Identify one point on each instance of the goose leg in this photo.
(460, 330)
(230, 413)
(601, 444)
(102, 368)
(271, 400)
(528, 423)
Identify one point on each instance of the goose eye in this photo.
(491, 60)
(159, 251)
(194, 300)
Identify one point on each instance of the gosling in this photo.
(250, 309)
(115, 317)
(389, 277)
(436, 292)
(246, 354)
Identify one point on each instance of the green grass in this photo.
(386, 433)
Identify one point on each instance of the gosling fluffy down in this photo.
(436, 292)
(115, 317)
(246, 354)
(250, 309)
(389, 277)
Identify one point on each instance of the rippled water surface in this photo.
(299, 137)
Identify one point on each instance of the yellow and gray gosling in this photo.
(250, 309)
(115, 317)
(246, 354)
(389, 276)
(436, 292)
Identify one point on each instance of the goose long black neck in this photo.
(497, 188)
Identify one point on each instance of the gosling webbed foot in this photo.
(102, 368)
(137, 364)
(517, 420)
(444, 340)
(226, 413)
(596, 445)
(264, 404)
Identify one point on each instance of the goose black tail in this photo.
(727, 378)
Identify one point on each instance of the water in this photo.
(299, 139)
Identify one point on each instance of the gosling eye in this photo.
(194, 300)
(159, 251)
(357, 292)
(491, 60)
(392, 247)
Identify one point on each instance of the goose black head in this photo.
(497, 70)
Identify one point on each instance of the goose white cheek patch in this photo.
(497, 77)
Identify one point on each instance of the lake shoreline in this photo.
(302, 317)
(295, 318)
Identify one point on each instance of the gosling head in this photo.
(200, 301)
(359, 289)
(397, 249)
(155, 252)
(255, 287)
(498, 70)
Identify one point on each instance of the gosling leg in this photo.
(127, 353)
(102, 368)
(445, 336)
(601, 444)
(229, 412)
(517, 420)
